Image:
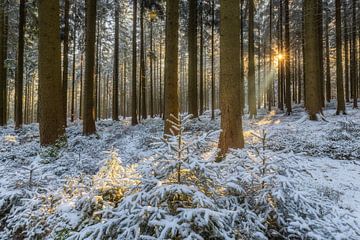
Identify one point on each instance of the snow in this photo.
(320, 161)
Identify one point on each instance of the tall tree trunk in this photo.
(287, 60)
(124, 102)
(192, 46)
(213, 60)
(50, 91)
(258, 92)
(72, 108)
(327, 45)
(242, 65)
(321, 51)
(89, 94)
(346, 60)
(353, 64)
(142, 63)
(134, 120)
(311, 59)
(251, 72)
(65, 59)
(81, 103)
(339, 67)
(201, 103)
(20, 67)
(281, 61)
(300, 77)
(231, 119)
(270, 83)
(115, 91)
(171, 64)
(152, 58)
(3, 70)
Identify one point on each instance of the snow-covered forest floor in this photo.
(311, 170)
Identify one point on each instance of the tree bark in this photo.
(311, 59)
(89, 93)
(231, 117)
(65, 59)
(287, 60)
(171, 64)
(327, 46)
(72, 108)
(20, 67)
(192, 48)
(134, 120)
(3, 70)
(115, 92)
(339, 67)
(50, 99)
(201, 103)
(353, 63)
(251, 71)
(270, 83)
(213, 60)
(346, 60)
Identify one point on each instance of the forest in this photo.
(179, 119)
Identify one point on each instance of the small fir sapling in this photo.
(175, 198)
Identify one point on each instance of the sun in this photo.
(280, 56)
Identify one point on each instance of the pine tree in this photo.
(65, 60)
(134, 120)
(143, 87)
(327, 46)
(171, 98)
(50, 99)
(339, 67)
(89, 94)
(311, 59)
(231, 117)
(20, 67)
(192, 46)
(287, 59)
(3, 77)
(251, 71)
(354, 56)
(115, 92)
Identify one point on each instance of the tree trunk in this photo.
(321, 51)
(65, 60)
(201, 103)
(311, 59)
(213, 60)
(251, 72)
(281, 60)
(72, 108)
(339, 67)
(171, 64)
(327, 45)
(270, 83)
(142, 63)
(346, 60)
(81, 104)
(152, 58)
(134, 120)
(242, 65)
(115, 92)
(287, 60)
(50, 91)
(192, 48)
(231, 119)
(89, 94)
(3, 70)
(353, 63)
(20, 68)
